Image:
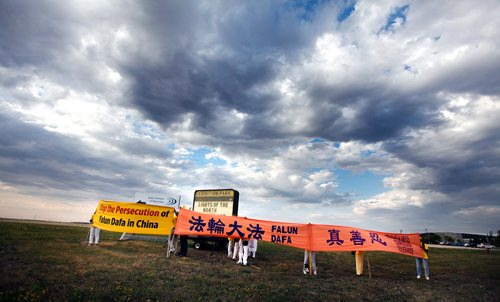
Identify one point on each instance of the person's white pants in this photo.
(252, 247)
(94, 235)
(230, 246)
(243, 252)
(236, 248)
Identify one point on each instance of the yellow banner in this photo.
(136, 218)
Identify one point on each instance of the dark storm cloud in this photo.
(379, 113)
(35, 158)
(166, 93)
(484, 82)
(31, 32)
(251, 43)
(470, 168)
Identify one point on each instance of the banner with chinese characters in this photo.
(136, 218)
(333, 238)
(314, 237)
(195, 223)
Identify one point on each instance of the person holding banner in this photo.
(424, 262)
(94, 233)
(358, 256)
(252, 247)
(230, 247)
(243, 251)
(236, 248)
(312, 258)
(184, 246)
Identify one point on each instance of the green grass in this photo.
(49, 263)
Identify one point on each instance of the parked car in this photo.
(486, 246)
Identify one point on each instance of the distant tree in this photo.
(497, 239)
(489, 237)
(449, 239)
(434, 238)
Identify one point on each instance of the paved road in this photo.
(439, 246)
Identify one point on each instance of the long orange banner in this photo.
(313, 237)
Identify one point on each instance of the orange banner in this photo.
(313, 237)
(334, 238)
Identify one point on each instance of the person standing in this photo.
(230, 246)
(243, 251)
(358, 256)
(252, 247)
(307, 258)
(236, 248)
(94, 233)
(184, 246)
(423, 262)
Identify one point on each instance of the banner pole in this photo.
(310, 248)
(310, 263)
(169, 242)
(368, 262)
(87, 237)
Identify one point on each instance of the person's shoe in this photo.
(315, 273)
(418, 276)
(426, 278)
(305, 270)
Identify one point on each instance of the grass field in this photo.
(49, 263)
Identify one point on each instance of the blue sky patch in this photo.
(307, 7)
(346, 11)
(367, 153)
(399, 13)
(317, 140)
(365, 184)
(199, 157)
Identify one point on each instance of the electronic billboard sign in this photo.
(219, 201)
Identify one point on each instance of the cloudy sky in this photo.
(383, 115)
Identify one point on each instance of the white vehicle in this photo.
(486, 246)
